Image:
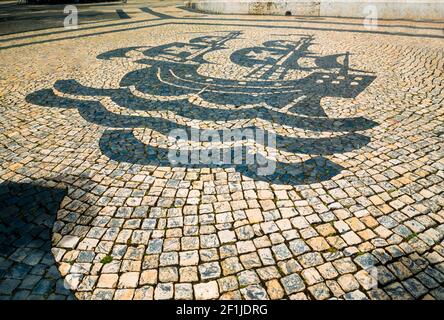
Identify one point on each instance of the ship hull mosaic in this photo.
(269, 96)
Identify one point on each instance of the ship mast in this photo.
(297, 51)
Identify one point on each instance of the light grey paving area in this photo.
(91, 207)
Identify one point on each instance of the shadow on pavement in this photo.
(27, 266)
(165, 19)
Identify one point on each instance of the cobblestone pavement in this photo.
(92, 209)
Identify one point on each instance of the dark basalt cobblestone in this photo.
(91, 210)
